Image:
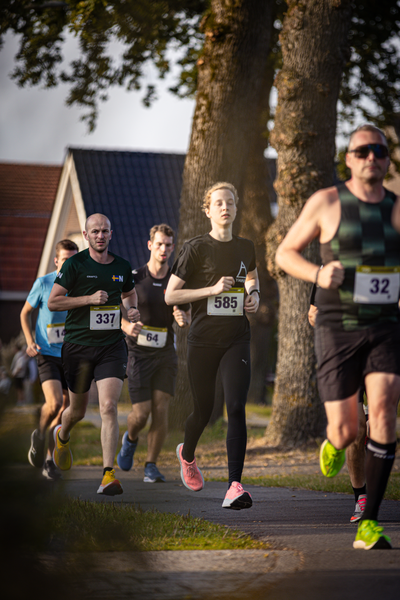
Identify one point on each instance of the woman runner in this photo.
(217, 273)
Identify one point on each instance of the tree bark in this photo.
(225, 126)
(315, 48)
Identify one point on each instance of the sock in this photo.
(380, 459)
(359, 491)
(106, 469)
(132, 441)
(63, 441)
(149, 463)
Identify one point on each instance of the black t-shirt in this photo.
(154, 312)
(201, 263)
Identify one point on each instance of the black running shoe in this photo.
(36, 451)
(50, 471)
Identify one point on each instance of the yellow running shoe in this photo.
(331, 460)
(109, 485)
(370, 535)
(62, 454)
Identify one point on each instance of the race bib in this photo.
(55, 333)
(154, 337)
(227, 304)
(376, 285)
(104, 317)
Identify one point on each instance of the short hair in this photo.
(220, 185)
(367, 127)
(66, 245)
(162, 228)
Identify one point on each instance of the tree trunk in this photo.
(255, 221)
(314, 47)
(225, 125)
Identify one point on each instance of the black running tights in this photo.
(234, 364)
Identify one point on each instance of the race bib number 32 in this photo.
(104, 317)
(227, 304)
(376, 285)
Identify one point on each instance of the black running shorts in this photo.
(149, 373)
(345, 357)
(50, 368)
(82, 364)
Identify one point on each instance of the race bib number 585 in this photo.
(376, 285)
(227, 304)
(104, 317)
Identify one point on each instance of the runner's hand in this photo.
(223, 285)
(97, 298)
(133, 315)
(33, 349)
(133, 329)
(251, 303)
(180, 317)
(331, 275)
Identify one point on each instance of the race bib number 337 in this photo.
(104, 317)
(227, 304)
(376, 285)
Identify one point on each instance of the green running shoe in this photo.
(369, 535)
(331, 460)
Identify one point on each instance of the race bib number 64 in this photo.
(104, 317)
(227, 304)
(376, 285)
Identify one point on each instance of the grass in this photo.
(101, 527)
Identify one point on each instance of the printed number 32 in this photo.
(375, 289)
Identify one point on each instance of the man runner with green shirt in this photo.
(357, 333)
(96, 282)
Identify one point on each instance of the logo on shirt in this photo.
(242, 273)
(59, 274)
(91, 276)
(157, 284)
(118, 278)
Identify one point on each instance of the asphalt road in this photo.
(311, 554)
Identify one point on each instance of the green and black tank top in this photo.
(365, 236)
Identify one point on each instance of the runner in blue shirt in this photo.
(45, 345)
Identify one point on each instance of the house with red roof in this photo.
(27, 195)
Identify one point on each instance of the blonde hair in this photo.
(221, 185)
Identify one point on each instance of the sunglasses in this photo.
(379, 150)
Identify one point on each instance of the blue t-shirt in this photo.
(49, 325)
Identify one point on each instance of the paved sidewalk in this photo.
(311, 554)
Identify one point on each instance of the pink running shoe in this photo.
(191, 475)
(236, 497)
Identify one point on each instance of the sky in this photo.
(36, 125)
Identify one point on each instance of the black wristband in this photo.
(255, 290)
(134, 307)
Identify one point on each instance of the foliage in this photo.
(116, 40)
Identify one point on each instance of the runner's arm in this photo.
(252, 300)
(129, 301)
(59, 301)
(26, 325)
(302, 233)
(174, 294)
(132, 329)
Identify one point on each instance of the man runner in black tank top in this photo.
(357, 334)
